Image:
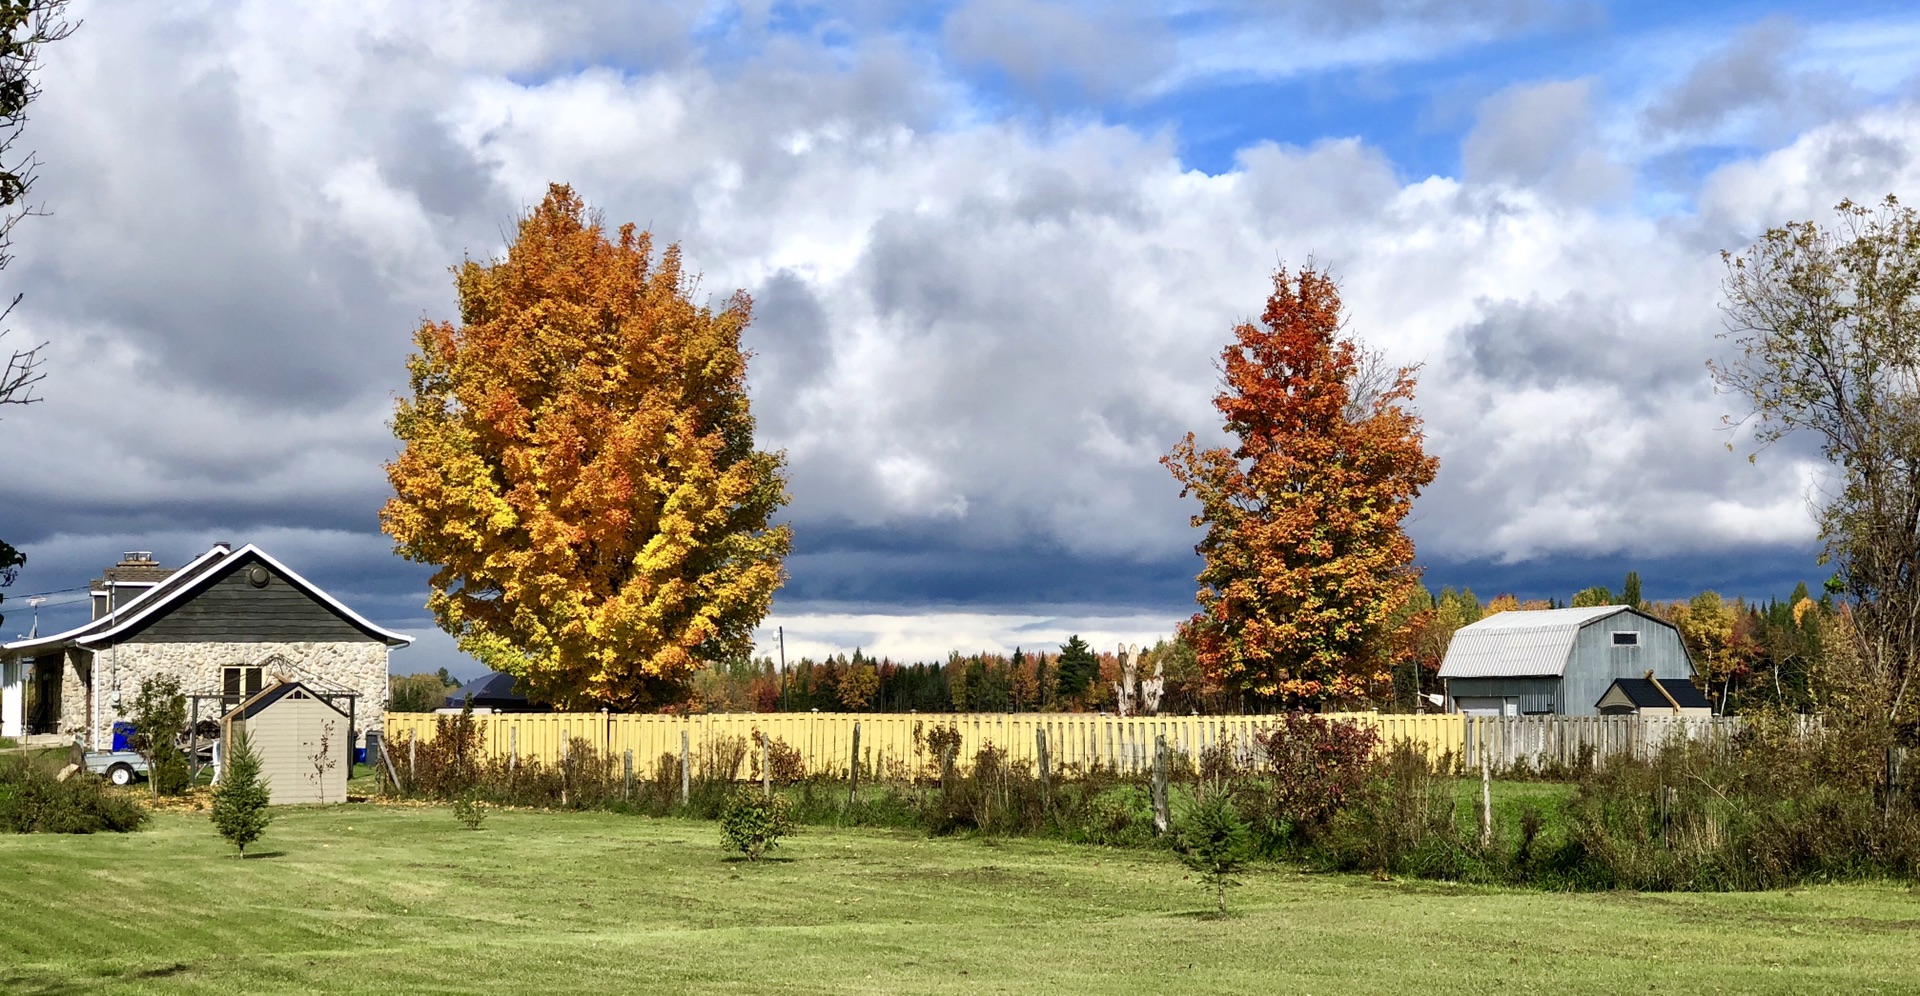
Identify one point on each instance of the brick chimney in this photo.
(136, 572)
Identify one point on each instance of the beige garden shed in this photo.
(301, 738)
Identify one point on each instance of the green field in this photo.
(392, 899)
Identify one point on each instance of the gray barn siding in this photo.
(1536, 695)
(232, 610)
(1595, 662)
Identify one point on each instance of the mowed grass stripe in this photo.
(373, 899)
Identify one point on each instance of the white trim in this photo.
(147, 603)
(81, 630)
(309, 587)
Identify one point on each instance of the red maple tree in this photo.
(1305, 554)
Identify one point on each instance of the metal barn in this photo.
(1557, 661)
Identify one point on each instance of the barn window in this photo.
(238, 683)
(1626, 639)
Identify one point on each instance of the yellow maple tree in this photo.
(578, 461)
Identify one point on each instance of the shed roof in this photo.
(274, 693)
(1521, 642)
(1643, 695)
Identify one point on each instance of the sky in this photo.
(994, 248)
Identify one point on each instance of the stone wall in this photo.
(360, 665)
(74, 672)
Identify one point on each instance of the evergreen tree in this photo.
(240, 800)
(1214, 841)
(1630, 590)
(1076, 667)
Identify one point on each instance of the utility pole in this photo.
(786, 701)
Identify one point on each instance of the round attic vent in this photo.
(258, 576)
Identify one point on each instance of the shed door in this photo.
(1492, 705)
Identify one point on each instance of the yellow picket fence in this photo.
(888, 746)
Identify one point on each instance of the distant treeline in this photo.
(1748, 654)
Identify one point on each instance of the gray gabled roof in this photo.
(1521, 643)
(183, 585)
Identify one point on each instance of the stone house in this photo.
(226, 625)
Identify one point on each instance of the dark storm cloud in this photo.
(1536, 343)
(1755, 574)
(921, 568)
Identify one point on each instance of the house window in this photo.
(1626, 639)
(238, 683)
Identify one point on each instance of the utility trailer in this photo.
(121, 767)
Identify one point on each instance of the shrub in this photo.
(783, 761)
(940, 745)
(33, 801)
(720, 761)
(752, 823)
(240, 800)
(1316, 766)
(1214, 841)
(470, 810)
(1400, 822)
(159, 717)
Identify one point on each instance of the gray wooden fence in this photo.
(1536, 741)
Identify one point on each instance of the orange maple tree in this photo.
(1305, 555)
(579, 462)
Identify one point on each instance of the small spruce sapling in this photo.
(470, 809)
(1213, 840)
(240, 800)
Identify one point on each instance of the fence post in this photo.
(853, 770)
(1162, 819)
(1046, 769)
(513, 752)
(766, 773)
(627, 777)
(1486, 802)
(413, 758)
(686, 772)
(563, 768)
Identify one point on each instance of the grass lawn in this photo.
(392, 899)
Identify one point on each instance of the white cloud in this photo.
(930, 636)
(978, 329)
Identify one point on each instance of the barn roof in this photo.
(1521, 643)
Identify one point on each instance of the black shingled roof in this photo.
(1641, 693)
